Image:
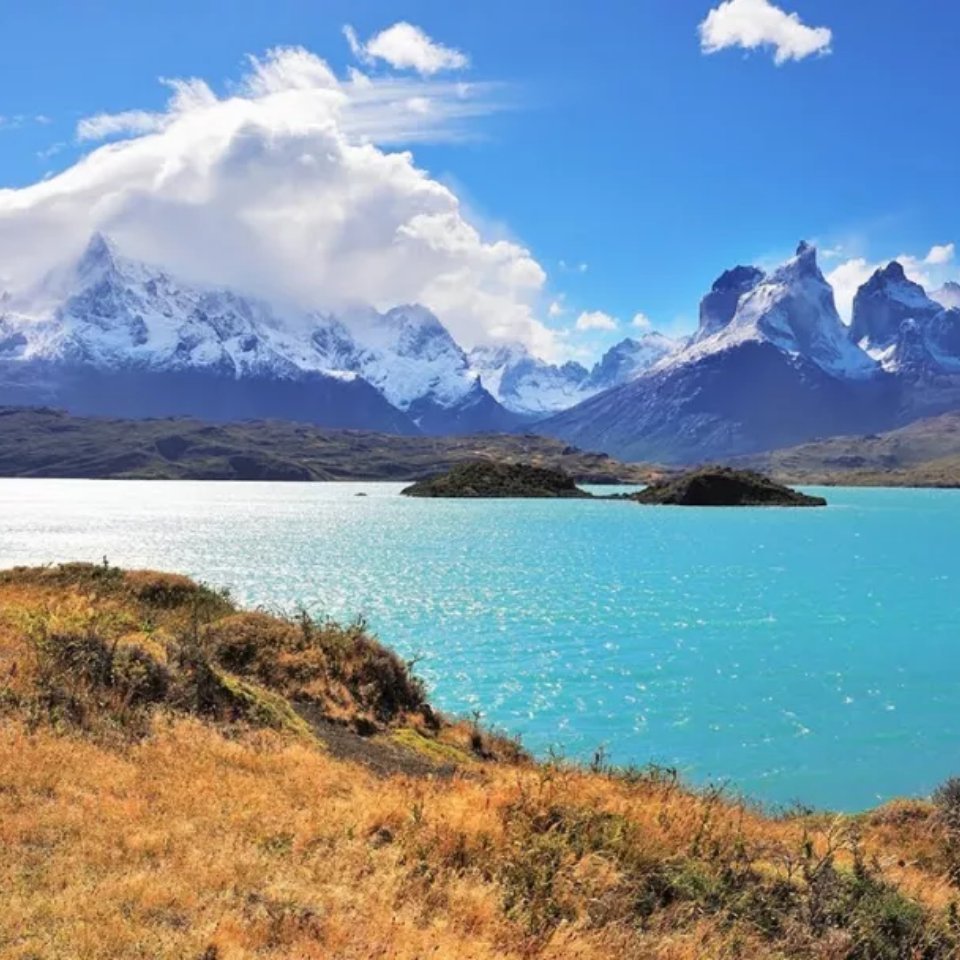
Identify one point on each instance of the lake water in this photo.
(806, 655)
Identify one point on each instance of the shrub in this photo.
(946, 798)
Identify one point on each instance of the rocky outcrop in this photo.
(724, 487)
(718, 307)
(483, 479)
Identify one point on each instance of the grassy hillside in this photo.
(922, 454)
(50, 443)
(181, 779)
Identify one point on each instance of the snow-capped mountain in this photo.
(908, 332)
(524, 383)
(772, 364)
(109, 334)
(793, 310)
(626, 360)
(410, 357)
(530, 386)
(881, 306)
(720, 304)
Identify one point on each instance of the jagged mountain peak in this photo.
(802, 265)
(892, 272)
(118, 316)
(629, 358)
(792, 308)
(100, 249)
(883, 304)
(718, 307)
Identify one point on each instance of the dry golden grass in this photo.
(206, 837)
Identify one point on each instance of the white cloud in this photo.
(846, 278)
(641, 321)
(930, 271)
(758, 23)
(406, 47)
(556, 308)
(596, 320)
(940, 254)
(284, 189)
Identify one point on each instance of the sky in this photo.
(563, 174)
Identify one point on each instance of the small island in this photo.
(487, 479)
(724, 487)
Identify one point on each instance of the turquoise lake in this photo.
(799, 655)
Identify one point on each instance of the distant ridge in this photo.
(51, 443)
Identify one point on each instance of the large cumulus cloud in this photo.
(287, 188)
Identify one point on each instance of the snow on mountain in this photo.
(408, 355)
(881, 306)
(528, 385)
(524, 383)
(718, 307)
(626, 360)
(793, 309)
(108, 313)
(903, 328)
(948, 295)
(771, 365)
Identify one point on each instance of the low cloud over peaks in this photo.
(284, 189)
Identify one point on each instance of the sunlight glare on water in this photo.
(800, 654)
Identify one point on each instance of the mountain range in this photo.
(770, 365)
(110, 335)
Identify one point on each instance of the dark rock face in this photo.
(750, 398)
(477, 412)
(724, 487)
(944, 332)
(884, 302)
(718, 307)
(135, 392)
(482, 479)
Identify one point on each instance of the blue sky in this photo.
(617, 143)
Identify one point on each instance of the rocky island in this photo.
(486, 479)
(724, 487)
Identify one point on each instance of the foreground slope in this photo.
(171, 788)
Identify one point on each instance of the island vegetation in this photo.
(185, 779)
(486, 479)
(723, 487)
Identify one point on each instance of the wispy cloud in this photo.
(386, 110)
(752, 24)
(102, 126)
